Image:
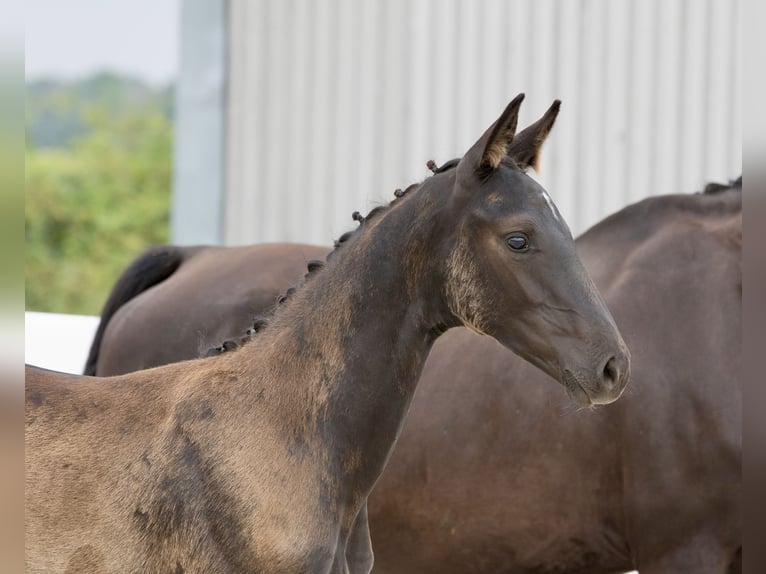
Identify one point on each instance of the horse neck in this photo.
(357, 335)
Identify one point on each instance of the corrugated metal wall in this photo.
(334, 104)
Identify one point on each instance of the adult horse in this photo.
(493, 473)
(261, 460)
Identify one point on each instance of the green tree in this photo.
(93, 206)
(56, 110)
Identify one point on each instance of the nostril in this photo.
(611, 372)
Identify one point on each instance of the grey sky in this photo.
(72, 38)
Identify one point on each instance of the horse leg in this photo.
(359, 547)
(353, 552)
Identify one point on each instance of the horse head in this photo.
(512, 270)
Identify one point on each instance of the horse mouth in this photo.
(575, 389)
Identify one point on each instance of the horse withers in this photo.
(262, 459)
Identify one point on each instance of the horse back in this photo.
(213, 295)
(87, 439)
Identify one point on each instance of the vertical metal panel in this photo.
(199, 154)
(333, 105)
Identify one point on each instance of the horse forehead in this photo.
(528, 196)
(549, 203)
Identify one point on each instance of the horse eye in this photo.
(517, 242)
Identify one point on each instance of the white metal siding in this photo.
(334, 104)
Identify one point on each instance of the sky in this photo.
(69, 39)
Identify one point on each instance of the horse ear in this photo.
(490, 149)
(525, 147)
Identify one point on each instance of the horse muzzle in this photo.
(602, 387)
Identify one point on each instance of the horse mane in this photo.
(315, 266)
(714, 187)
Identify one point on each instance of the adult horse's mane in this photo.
(314, 266)
(715, 187)
(653, 212)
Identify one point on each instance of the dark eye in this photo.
(517, 242)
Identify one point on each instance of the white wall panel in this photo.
(333, 104)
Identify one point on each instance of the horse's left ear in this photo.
(490, 149)
(525, 147)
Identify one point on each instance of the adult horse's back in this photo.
(173, 303)
(495, 473)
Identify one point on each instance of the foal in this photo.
(261, 459)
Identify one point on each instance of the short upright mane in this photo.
(315, 265)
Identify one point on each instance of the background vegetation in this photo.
(98, 180)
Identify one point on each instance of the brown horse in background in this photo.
(261, 460)
(190, 299)
(493, 472)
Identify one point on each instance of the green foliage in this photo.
(56, 111)
(93, 206)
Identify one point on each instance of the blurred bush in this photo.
(93, 204)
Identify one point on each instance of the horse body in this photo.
(158, 490)
(261, 460)
(687, 425)
(229, 472)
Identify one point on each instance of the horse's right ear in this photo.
(490, 149)
(525, 147)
